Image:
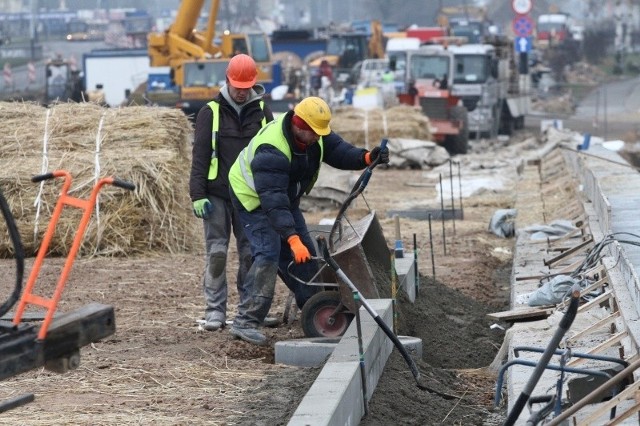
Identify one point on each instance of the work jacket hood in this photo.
(257, 92)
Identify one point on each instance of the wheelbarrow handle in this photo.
(323, 247)
(357, 189)
(61, 173)
(369, 169)
(40, 178)
(123, 184)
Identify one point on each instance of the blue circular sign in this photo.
(522, 26)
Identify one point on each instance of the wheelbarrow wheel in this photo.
(324, 315)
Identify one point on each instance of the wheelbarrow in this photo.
(360, 248)
(56, 343)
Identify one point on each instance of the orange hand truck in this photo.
(55, 344)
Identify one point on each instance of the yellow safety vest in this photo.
(241, 175)
(213, 166)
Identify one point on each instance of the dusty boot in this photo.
(213, 325)
(251, 335)
(271, 321)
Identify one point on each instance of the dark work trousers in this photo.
(271, 257)
(217, 233)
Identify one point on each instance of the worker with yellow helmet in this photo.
(267, 180)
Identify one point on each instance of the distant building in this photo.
(11, 6)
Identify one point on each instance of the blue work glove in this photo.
(202, 208)
(375, 152)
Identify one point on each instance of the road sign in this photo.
(522, 26)
(523, 44)
(522, 7)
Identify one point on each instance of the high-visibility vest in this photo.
(213, 166)
(241, 175)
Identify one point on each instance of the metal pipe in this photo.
(554, 367)
(444, 238)
(415, 264)
(517, 349)
(605, 118)
(363, 374)
(453, 206)
(565, 324)
(433, 263)
(460, 191)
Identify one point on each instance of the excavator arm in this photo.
(376, 41)
(197, 64)
(182, 40)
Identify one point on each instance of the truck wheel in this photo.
(495, 122)
(459, 144)
(519, 124)
(319, 317)
(507, 123)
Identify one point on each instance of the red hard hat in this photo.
(242, 71)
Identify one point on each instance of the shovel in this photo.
(322, 245)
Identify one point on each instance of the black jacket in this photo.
(235, 132)
(280, 184)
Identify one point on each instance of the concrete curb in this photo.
(335, 398)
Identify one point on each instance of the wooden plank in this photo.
(604, 407)
(624, 416)
(603, 322)
(615, 339)
(584, 246)
(522, 313)
(598, 300)
(569, 268)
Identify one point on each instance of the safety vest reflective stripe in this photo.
(241, 176)
(215, 108)
(247, 155)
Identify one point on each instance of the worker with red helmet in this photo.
(267, 181)
(223, 128)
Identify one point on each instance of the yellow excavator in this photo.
(196, 62)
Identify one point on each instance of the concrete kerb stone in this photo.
(336, 395)
(309, 352)
(405, 269)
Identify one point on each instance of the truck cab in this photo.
(429, 83)
(553, 28)
(477, 82)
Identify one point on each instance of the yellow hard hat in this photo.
(316, 113)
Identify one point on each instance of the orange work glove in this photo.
(300, 251)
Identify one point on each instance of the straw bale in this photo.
(366, 128)
(148, 146)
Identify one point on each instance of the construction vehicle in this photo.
(346, 48)
(487, 81)
(197, 65)
(81, 30)
(429, 84)
(62, 82)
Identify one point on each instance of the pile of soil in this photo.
(458, 345)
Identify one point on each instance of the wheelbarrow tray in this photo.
(363, 255)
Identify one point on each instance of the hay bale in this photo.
(367, 128)
(148, 146)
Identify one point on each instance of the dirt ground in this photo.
(160, 368)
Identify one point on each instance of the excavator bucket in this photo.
(361, 251)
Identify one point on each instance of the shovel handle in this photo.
(322, 246)
(357, 189)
